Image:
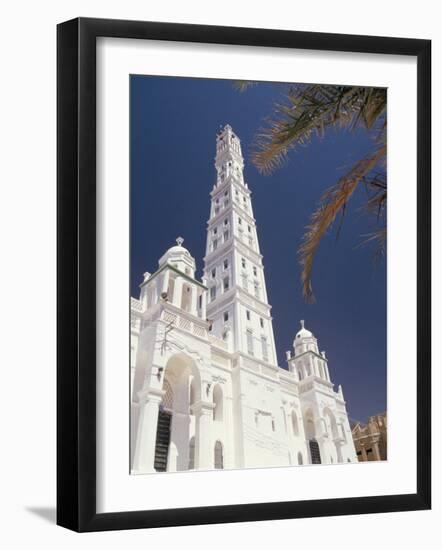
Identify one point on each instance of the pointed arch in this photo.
(330, 422)
(309, 425)
(174, 428)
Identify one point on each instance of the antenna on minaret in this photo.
(302, 323)
(179, 241)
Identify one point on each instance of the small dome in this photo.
(176, 253)
(177, 250)
(301, 334)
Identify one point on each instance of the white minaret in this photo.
(306, 360)
(233, 268)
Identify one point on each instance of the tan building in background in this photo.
(371, 439)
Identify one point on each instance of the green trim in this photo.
(306, 352)
(180, 273)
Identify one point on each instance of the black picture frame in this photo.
(76, 274)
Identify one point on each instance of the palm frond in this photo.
(243, 85)
(376, 186)
(379, 238)
(309, 110)
(333, 202)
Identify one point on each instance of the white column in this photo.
(229, 457)
(204, 305)
(323, 450)
(147, 432)
(317, 370)
(178, 291)
(327, 374)
(144, 299)
(194, 301)
(204, 446)
(165, 286)
(338, 445)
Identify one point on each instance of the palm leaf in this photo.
(333, 202)
(308, 111)
(243, 85)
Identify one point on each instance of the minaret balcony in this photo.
(175, 318)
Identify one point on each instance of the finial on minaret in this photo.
(302, 323)
(179, 241)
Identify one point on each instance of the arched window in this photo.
(219, 459)
(218, 402)
(295, 426)
(192, 453)
(330, 422)
(300, 461)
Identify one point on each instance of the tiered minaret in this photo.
(234, 272)
(306, 361)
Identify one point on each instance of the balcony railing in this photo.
(136, 305)
(176, 320)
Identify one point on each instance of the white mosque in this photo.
(206, 389)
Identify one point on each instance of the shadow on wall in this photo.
(47, 513)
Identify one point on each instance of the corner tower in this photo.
(237, 305)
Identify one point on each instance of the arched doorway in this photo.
(163, 429)
(315, 454)
(176, 423)
(310, 434)
(332, 430)
(219, 456)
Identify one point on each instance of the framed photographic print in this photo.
(243, 316)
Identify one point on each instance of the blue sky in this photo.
(174, 122)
